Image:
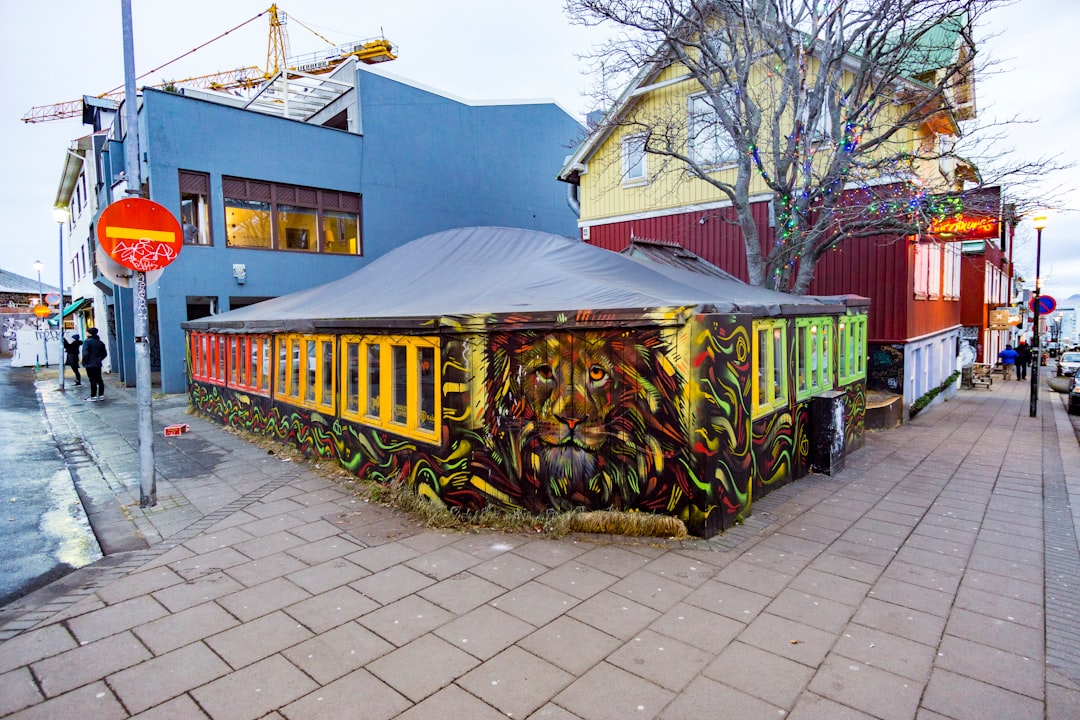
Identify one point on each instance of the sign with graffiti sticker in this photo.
(139, 234)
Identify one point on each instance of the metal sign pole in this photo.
(147, 479)
(60, 322)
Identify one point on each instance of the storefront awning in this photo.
(78, 305)
(73, 307)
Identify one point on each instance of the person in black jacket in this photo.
(71, 356)
(93, 353)
(1023, 359)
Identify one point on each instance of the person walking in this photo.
(1023, 359)
(1007, 357)
(93, 353)
(71, 356)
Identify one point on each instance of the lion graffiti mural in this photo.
(585, 419)
(654, 419)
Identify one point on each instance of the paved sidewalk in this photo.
(937, 576)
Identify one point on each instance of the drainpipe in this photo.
(572, 198)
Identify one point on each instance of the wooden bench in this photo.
(980, 375)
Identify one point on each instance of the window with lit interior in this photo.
(769, 358)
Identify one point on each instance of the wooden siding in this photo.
(717, 239)
(973, 290)
(875, 267)
(930, 316)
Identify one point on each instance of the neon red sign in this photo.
(965, 227)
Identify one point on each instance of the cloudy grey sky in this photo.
(473, 49)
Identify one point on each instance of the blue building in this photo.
(304, 183)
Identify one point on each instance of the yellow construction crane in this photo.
(374, 50)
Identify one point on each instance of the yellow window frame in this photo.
(851, 348)
(769, 366)
(299, 384)
(358, 408)
(813, 339)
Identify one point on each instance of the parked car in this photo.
(1074, 397)
(1068, 364)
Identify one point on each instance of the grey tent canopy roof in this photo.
(490, 273)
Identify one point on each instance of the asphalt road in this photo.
(44, 533)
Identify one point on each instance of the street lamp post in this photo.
(1039, 221)
(61, 215)
(40, 298)
(37, 266)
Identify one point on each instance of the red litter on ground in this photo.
(178, 429)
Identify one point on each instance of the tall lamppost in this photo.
(1039, 221)
(37, 266)
(61, 215)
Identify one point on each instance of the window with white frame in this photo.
(715, 51)
(934, 282)
(634, 165)
(708, 143)
(952, 270)
(922, 269)
(821, 128)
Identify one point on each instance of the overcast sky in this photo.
(474, 49)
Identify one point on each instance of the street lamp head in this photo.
(38, 265)
(60, 214)
(1038, 220)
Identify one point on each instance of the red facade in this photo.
(711, 234)
(880, 268)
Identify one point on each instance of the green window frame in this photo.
(769, 358)
(813, 356)
(851, 348)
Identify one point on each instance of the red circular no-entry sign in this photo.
(139, 234)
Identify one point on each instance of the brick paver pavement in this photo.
(935, 577)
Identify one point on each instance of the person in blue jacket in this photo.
(1008, 358)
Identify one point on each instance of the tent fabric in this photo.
(498, 271)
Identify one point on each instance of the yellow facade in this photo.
(606, 193)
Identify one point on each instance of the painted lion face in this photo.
(572, 405)
(571, 386)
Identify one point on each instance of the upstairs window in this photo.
(195, 207)
(708, 143)
(273, 216)
(635, 167)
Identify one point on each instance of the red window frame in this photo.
(247, 352)
(208, 358)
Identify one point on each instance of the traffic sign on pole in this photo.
(1047, 305)
(139, 234)
(42, 311)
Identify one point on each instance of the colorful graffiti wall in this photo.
(640, 419)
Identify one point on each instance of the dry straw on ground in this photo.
(553, 524)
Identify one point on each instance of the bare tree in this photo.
(817, 100)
